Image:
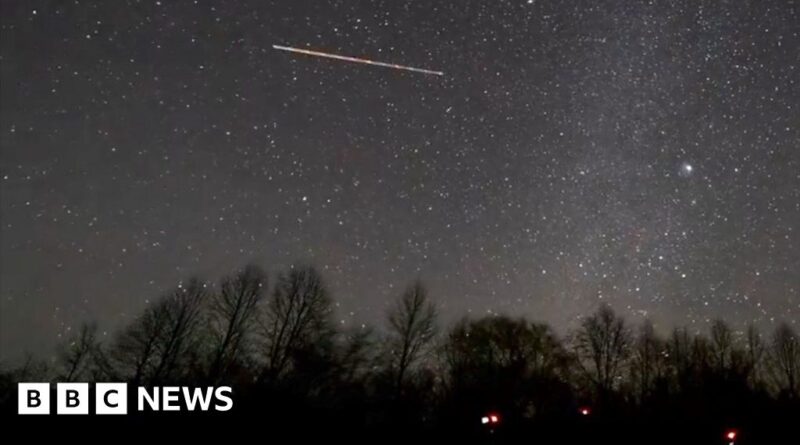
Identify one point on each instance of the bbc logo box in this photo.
(33, 398)
(72, 398)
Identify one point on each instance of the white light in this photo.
(484, 420)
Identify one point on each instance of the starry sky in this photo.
(642, 154)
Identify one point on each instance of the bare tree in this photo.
(647, 359)
(546, 354)
(603, 344)
(233, 311)
(722, 345)
(135, 349)
(76, 357)
(412, 326)
(296, 318)
(702, 355)
(356, 353)
(754, 355)
(785, 360)
(679, 355)
(32, 369)
(183, 308)
(151, 349)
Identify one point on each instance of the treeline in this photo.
(297, 377)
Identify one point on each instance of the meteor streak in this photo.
(356, 60)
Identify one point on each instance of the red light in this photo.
(490, 418)
(585, 411)
(731, 434)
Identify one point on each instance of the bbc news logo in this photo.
(112, 398)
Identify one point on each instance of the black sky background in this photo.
(643, 154)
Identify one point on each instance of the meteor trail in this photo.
(356, 60)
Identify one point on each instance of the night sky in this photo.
(643, 154)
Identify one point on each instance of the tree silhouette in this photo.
(233, 310)
(785, 360)
(297, 319)
(412, 326)
(721, 345)
(755, 350)
(506, 364)
(648, 364)
(152, 348)
(305, 380)
(136, 348)
(357, 353)
(681, 359)
(76, 358)
(603, 345)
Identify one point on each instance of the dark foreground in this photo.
(283, 421)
